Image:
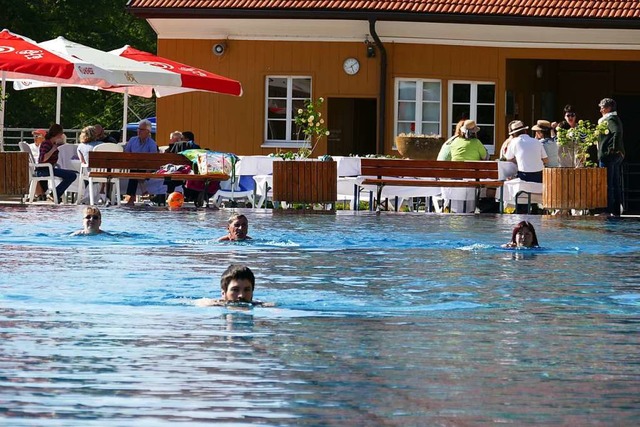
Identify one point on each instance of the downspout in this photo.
(383, 87)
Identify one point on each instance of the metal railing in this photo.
(12, 136)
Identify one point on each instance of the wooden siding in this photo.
(236, 124)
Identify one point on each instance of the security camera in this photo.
(219, 49)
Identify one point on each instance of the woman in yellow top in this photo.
(468, 146)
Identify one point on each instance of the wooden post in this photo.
(574, 188)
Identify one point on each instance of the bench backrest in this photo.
(429, 168)
(138, 161)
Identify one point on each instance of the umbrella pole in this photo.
(124, 114)
(2, 95)
(58, 103)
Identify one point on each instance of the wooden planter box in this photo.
(305, 181)
(574, 188)
(14, 173)
(418, 147)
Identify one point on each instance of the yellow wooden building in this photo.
(386, 67)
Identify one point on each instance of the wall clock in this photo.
(351, 66)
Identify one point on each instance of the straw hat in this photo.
(469, 125)
(542, 125)
(516, 126)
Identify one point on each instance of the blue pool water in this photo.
(396, 319)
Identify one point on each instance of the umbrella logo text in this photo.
(6, 49)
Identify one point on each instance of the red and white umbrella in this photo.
(192, 78)
(22, 58)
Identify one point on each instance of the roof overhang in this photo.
(444, 33)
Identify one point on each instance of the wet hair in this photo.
(92, 210)
(237, 216)
(237, 272)
(53, 131)
(188, 135)
(520, 226)
(88, 134)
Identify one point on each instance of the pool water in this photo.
(391, 319)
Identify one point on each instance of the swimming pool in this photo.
(391, 319)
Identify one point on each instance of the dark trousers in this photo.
(530, 176)
(132, 185)
(67, 176)
(613, 163)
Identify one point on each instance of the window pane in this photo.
(301, 88)
(296, 133)
(276, 129)
(277, 87)
(460, 112)
(486, 135)
(297, 105)
(407, 91)
(407, 111)
(404, 127)
(431, 128)
(277, 109)
(486, 94)
(486, 114)
(431, 91)
(430, 111)
(461, 92)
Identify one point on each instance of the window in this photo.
(475, 101)
(418, 106)
(285, 95)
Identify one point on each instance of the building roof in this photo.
(559, 10)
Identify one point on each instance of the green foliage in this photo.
(577, 141)
(102, 24)
(309, 121)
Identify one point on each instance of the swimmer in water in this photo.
(92, 219)
(236, 285)
(523, 236)
(237, 229)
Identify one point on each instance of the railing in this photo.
(12, 136)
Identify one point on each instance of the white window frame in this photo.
(419, 102)
(473, 107)
(283, 143)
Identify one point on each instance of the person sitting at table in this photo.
(142, 143)
(527, 152)
(523, 236)
(445, 150)
(467, 146)
(186, 143)
(101, 135)
(542, 130)
(92, 219)
(49, 154)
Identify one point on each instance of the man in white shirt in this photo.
(527, 152)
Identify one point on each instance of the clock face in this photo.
(351, 66)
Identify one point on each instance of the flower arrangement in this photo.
(575, 142)
(309, 121)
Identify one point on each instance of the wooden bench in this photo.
(416, 173)
(144, 166)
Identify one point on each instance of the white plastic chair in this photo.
(35, 179)
(84, 175)
(66, 160)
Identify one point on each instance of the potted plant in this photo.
(298, 180)
(425, 147)
(582, 185)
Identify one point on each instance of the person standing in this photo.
(143, 143)
(527, 152)
(611, 154)
(49, 154)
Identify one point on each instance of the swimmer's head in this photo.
(238, 227)
(237, 284)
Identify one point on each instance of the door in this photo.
(353, 125)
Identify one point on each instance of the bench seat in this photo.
(431, 173)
